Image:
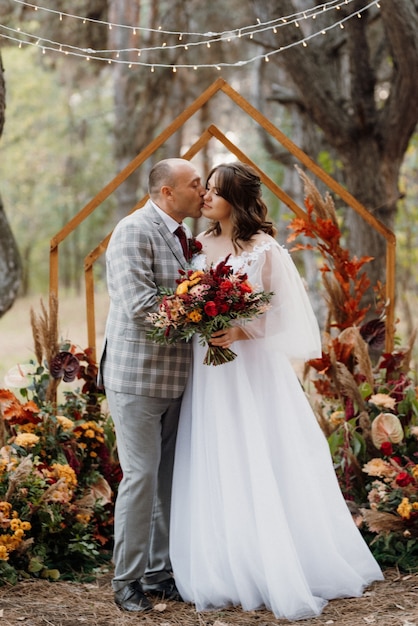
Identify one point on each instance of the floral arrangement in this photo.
(193, 247)
(366, 399)
(58, 469)
(203, 303)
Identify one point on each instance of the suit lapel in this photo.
(170, 239)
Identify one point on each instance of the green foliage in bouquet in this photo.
(58, 469)
(366, 399)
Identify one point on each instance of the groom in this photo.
(144, 381)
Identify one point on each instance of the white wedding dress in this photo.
(258, 519)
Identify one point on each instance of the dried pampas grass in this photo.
(45, 337)
(323, 206)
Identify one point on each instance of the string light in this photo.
(327, 6)
(48, 45)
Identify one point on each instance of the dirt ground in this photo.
(393, 602)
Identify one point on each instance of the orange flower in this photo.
(15, 412)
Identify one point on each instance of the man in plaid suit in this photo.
(144, 381)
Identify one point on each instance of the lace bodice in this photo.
(239, 263)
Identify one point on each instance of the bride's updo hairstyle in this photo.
(240, 185)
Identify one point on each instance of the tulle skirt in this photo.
(258, 519)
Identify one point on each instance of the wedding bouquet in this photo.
(203, 303)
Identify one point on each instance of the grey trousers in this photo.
(146, 430)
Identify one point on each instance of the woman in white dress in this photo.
(258, 519)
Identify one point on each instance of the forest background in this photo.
(337, 78)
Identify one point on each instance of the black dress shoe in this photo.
(132, 598)
(166, 590)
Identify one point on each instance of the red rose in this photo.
(386, 448)
(226, 285)
(403, 479)
(211, 309)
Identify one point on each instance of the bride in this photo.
(258, 519)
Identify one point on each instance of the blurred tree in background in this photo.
(10, 265)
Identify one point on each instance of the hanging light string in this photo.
(90, 53)
(238, 32)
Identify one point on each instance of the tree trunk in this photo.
(337, 79)
(10, 265)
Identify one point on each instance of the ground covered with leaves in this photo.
(393, 602)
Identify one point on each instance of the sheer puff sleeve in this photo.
(290, 325)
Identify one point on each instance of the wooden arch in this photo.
(213, 131)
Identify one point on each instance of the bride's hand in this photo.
(224, 338)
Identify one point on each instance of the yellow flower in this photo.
(65, 422)
(414, 472)
(197, 276)
(405, 508)
(83, 518)
(27, 428)
(5, 508)
(183, 287)
(66, 472)
(26, 440)
(4, 555)
(337, 417)
(194, 316)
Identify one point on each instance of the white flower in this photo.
(18, 376)
(383, 400)
(386, 427)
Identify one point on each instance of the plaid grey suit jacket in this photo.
(142, 255)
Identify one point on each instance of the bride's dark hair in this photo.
(240, 185)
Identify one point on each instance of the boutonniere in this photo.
(194, 247)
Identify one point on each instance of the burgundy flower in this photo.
(194, 247)
(64, 365)
(374, 333)
(386, 448)
(222, 307)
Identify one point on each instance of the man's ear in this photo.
(166, 191)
